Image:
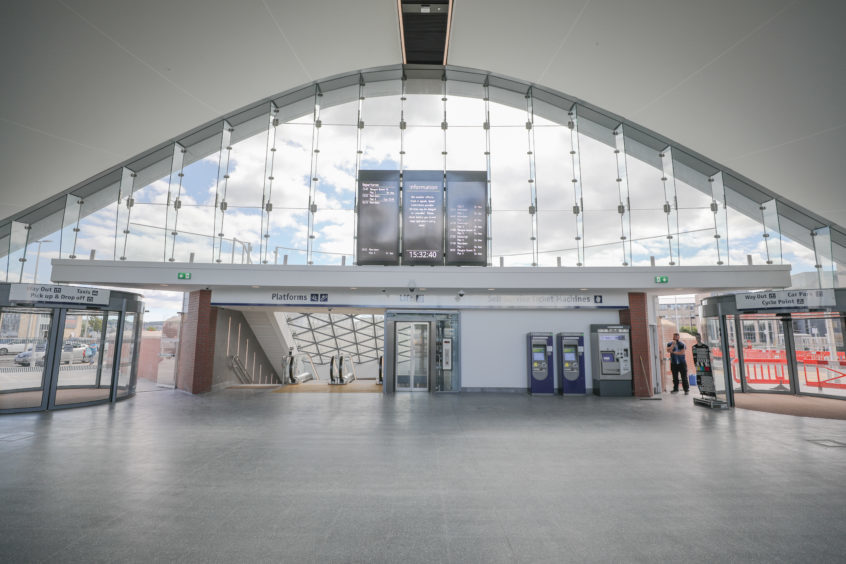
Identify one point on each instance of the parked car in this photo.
(31, 354)
(70, 353)
(12, 346)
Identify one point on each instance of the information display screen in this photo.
(466, 218)
(422, 217)
(377, 240)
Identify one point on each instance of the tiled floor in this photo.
(251, 475)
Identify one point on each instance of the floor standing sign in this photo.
(705, 377)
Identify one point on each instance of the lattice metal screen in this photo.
(323, 335)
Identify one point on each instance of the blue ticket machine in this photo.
(571, 363)
(541, 378)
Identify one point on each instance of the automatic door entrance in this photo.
(412, 356)
(422, 352)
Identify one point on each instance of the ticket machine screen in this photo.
(539, 357)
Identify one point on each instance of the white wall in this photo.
(493, 342)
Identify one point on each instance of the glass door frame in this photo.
(120, 304)
(428, 352)
(432, 317)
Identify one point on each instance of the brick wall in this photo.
(637, 317)
(196, 347)
(148, 355)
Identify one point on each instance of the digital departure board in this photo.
(422, 217)
(377, 240)
(466, 218)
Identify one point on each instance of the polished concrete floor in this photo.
(251, 475)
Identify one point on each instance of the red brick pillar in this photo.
(638, 320)
(196, 344)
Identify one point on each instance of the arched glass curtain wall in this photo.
(570, 185)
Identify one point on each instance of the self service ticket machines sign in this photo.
(541, 378)
(571, 363)
(611, 354)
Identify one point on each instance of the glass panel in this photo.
(23, 343)
(291, 173)
(17, 252)
(824, 258)
(242, 219)
(404, 351)
(381, 105)
(81, 377)
(333, 237)
(820, 353)
(556, 221)
(511, 222)
(122, 214)
(42, 247)
(649, 222)
(467, 108)
(143, 242)
(797, 247)
(96, 236)
(70, 224)
(508, 109)
(424, 148)
(624, 203)
(446, 372)
(713, 340)
(600, 195)
(839, 253)
(764, 355)
(772, 232)
(420, 356)
(603, 246)
(380, 146)
(696, 220)
(466, 148)
(174, 202)
(512, 242)
(732, 344)
(168, 350)
(340, 107)
(127, 356)
(425, 110)
(671, 203)
(108, 349)
(718, 208)
(745, 229)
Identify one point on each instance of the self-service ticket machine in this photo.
(541, 378)
(611, 355)
(571, 363)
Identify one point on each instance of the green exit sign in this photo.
(658, 279)
(187, 276)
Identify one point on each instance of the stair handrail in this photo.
(240, 370)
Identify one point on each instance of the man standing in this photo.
(678, 364)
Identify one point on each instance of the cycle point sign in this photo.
(786, 299)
